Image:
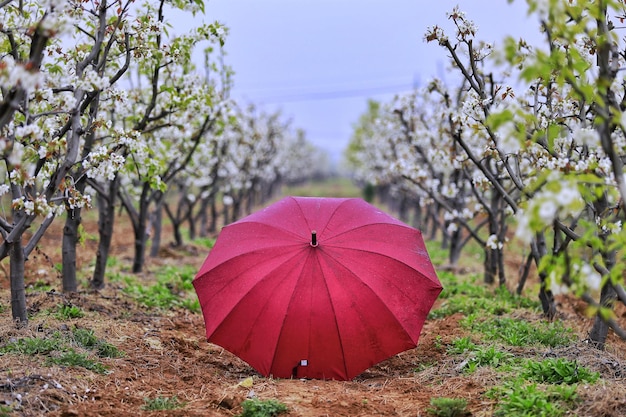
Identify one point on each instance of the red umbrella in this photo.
(316, 288)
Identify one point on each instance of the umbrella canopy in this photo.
(316, 288)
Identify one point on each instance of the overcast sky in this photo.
(320, 60)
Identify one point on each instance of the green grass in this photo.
(34, 345)
(87, 339)
(469, 297)
(438, 256)
(519, 399)
(461, 345)
(78, 360)
(448, 407)
(6, 411)
(60, 349)
(518, 332)
(39, 285)
(162, 403)
(68, 311)
(205, 242)
(477, 356)
(173, 289)
(262, 408)
(558, 371)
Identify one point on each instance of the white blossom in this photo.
(591, 277)
(228, 200)
(586, 136)
(493, 242)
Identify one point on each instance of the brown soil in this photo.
(166, 355)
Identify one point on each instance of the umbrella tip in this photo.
(313, 238)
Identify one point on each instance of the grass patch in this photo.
(87, 339)
(469, 297)
(438, 256)
(34, 345)
(39, 285)
(487, 356)
(478, 355)
(162, 403)
(60, 349)
(558, 371)
(68, 311)
(262, 408)
(205, 242)
(448, 407)
(522, 400)
(174, 289)
(5, 411)
(516, 332)
(78, 360)
(461, 345)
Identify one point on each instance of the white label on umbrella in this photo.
(304, 362)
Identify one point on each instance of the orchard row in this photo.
(525, 153)
(102, 106)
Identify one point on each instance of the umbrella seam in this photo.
(282, 229)
(352, 229)
(332, 304)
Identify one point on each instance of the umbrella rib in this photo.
(352, 229)
(273, 226)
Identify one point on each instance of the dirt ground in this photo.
(166, 355)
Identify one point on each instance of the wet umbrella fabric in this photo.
(316, 288)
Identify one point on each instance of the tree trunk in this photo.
(403, 209)
(214, 215)
(600, 328)
(106, 220)
(434, 217)
(18, 291)
(456, 244)
(140, 227)
(226, 218)
(539, 250)
(202, 217)
(489, 265)
(157, 225)
(608, 295)
(524, 274)
(502, 238)
(70, 240)
(417, 216)
(189, 217)
(176, 221)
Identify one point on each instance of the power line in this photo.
(337, 94)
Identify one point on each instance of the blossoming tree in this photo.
(550, 151)
(49, 109)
